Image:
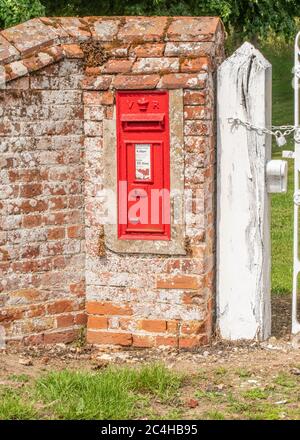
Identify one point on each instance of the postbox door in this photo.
(143, 165)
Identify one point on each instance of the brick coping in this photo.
(36, 43)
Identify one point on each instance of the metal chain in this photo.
(280, 132)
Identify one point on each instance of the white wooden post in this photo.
(243, 211)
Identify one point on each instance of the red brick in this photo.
(193, 29)
(197, 128)
(153, 325)
(101, 82)
(169, 341)
(59, 262)
(182, 80)
(11, 314)
(192, 297)
(78, 289)
(193, 342)
(173, 326)
(137, 29)
(179, 282)
(103, 28)
(190, 65)
(98, 98)
(30, 251)
(35, 311)
(76, 27)
(193, 327)
(65, 320)
(29, 294)
(96, 322)
(110, 338)
(38, 206)
(31, 190)
(117, 66)
(135, 81)
(107, 308)
(65, 336)
(56, 234)
(80, 319)
(156, 65)
(143, 341)
(33, 339)
(197, 112)
(30, 36)
(72, 51)
(76, 231)
(8, 52)
(194, 97)
(32, 221)
(58, 203)
(147, 50)
(60, 306)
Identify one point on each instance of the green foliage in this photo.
(13, 12)
(252, 19)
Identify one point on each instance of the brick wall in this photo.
(42, 223)
(60, 79)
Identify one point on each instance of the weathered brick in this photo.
(178, 282)
(193, 327)
(197, 112)
(193, 342)
(51, 177)
(142, 341)
(30, 36)
(109, 338)
(187, 49)
(60, 306)
(183, 80)
(153, 325)
(80, 319)
(32, 221)
(117, 66)
(156, 65)
(97, 322)
(107, 308)
(135, 81)
(98, 98)
(72, 51)
(65, 336)
(30, 190)
(101, 82)
(193, 29)
(136, 29)
(189, 65)
(102, 28)
(65, 320)
(147, 50)
(56, 233)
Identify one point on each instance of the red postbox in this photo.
(143, 151)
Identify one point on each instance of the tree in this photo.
(15, 11)
(242, 18)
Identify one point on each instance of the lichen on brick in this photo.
(94, 53)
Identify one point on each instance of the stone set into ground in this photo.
(58, 78)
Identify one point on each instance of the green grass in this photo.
(14, 406)
(281, 58)
(116, 393)
(148, 392)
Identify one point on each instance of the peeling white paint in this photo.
(243, 219)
